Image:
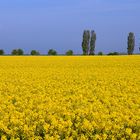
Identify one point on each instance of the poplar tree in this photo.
(84, 44)
(86, 41)
(92, 43)
(131, 43)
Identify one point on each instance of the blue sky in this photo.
(59, 24)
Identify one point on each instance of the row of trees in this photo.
(34, 52)
(51, 52)
(89, 40)
(88, 46)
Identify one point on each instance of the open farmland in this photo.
(76, 97)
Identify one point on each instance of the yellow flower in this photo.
(78, 97)
(128, 131)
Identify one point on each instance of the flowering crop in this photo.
(76, 97)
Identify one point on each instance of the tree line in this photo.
(34, 52)
(88, 46)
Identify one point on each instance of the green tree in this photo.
(92, 43)
(85, 42)
(113, 53)
(88, 41)
(1, 52)
(131, 43)
(84, 45)
(100, 53)
(34, 52)
(20, 52)
(52, 52)
(69, 52)
(17, 52)
(14, 52)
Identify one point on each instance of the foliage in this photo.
(113, 53)
(69, 52)
(100, 53)
(20, 52)
(85, 42)
(1, 52)
(34, 52)
(52, 52)
(69, 98)
(131, 43)
(92, 43)
(14, 52)
(17, 52)
(88, 43)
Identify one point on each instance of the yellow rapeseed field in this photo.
(71, 98)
